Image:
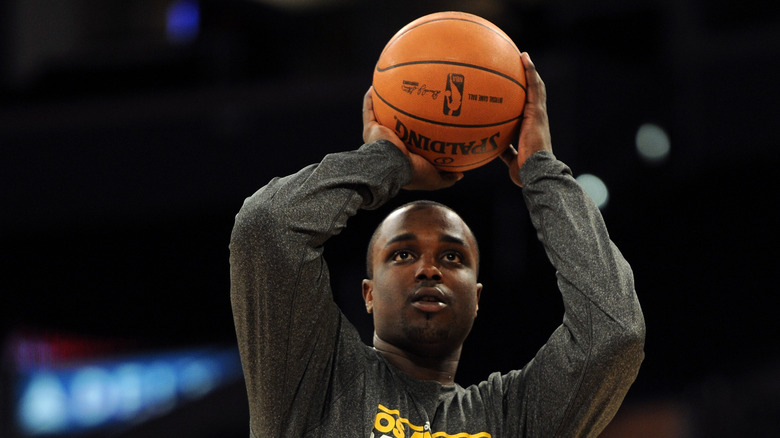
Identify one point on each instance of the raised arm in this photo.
(577, 381)
(286, 320)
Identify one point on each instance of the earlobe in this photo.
(368, 295)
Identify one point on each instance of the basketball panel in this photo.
(451, 16)
(449, 148)
(451, 95)
(456, 42)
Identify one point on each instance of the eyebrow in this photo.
(405, 237)
(401, 238)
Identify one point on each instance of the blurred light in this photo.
(183, 21)
(158, 383)
(127, 379)
(43, 405)
(36, 349)
(92, 396)
(652, 143)
(595, 188)
(65, 399)
(197, 379)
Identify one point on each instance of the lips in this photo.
(429, 299)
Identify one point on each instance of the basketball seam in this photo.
(459, 64)
(434, 122)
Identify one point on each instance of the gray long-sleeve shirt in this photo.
(308, 374)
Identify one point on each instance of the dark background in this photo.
(125, 156)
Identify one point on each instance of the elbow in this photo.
(627, 330)
(635, 330)
(253, 223)
(633, 342)
(619, 339)
(633, 327)
(627, 344)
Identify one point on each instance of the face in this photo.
(424, 293)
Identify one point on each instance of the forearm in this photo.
(278, 237)
(576, 240)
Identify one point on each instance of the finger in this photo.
(447, 179)
(368, 107)
(509, 155)
(452, 176)
(535, 85)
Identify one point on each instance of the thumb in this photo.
(510, 158)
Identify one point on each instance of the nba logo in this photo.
(453, 94)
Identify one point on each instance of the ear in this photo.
(368, 295)
(479, 294)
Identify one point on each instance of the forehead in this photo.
(425, 222)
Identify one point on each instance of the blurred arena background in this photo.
(131, 132)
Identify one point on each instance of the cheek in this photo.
(465, 280)
(468, 293)
(468, 305)
(384, 295)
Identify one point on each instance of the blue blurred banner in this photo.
(53, 400)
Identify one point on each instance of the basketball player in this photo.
(309, 375)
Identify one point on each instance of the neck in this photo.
(440, 368)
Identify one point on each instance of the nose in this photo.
(428, 271)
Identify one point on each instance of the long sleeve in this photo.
(577, 381)
(285, 318)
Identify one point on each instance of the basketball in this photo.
(452, 87)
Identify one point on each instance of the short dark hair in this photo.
(414, 205)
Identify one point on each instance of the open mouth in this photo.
(429, 300)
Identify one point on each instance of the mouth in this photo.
(429, 299)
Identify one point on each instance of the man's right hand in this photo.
(424, 175)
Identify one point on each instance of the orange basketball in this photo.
(452, 86)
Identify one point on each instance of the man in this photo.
(307, 372)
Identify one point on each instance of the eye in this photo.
(453, 256)
(401, 255)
